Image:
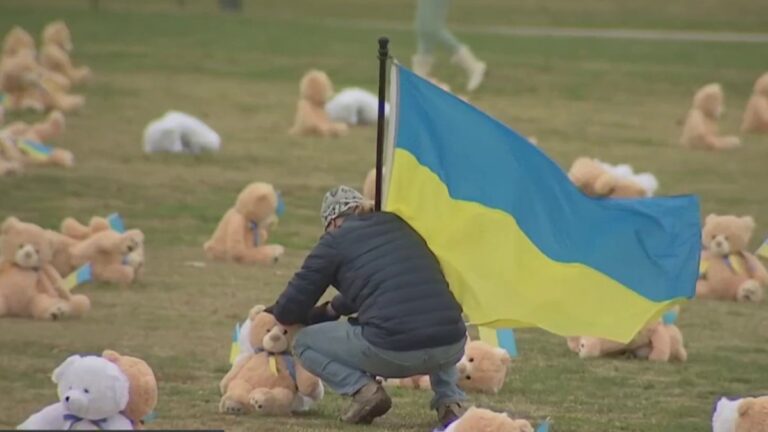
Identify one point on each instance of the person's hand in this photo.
(322, 313)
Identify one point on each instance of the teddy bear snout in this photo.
(721, 245)
(75, 402)
(26, 256)
(274, 337)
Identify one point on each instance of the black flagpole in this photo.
(383, 55)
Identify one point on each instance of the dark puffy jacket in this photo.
(385, 273)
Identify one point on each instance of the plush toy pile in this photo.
(111, 392)
(242, 233)
(266, 378)
(700, 130)
(600, 179)
(728, 271)
(741, 415)
(178, 132)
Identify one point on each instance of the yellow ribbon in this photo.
(273, 364)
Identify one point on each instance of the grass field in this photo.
(619, 100)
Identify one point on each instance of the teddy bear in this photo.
(57, 60)
(657, 341)
(484, 420)
(21, 143)
(92, 393)
(728, 271)
(599, 179)
(142, 388)
(107, 252)
(311, 118)
(700, 130)
(24, 87)
(53, 126)
(73, 229)
(741, 415)
(29, 285)
(755, 119)
(17, 39)
(178, 132)
(268, 379)
(416, 382)
(57, 33)
(355, 106)
(483, 368)
(242, 233)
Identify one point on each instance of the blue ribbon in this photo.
(280, 205)
(76, 419)
(255, 228)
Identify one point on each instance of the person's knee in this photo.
(302, 341)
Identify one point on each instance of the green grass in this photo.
(618, 100)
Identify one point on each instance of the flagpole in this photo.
(383, 55)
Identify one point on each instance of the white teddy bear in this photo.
(355, 106)
(92, 393)
(178, 132)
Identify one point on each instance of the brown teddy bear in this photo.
(17, 39)
(728, 271)
(269, 380)
(753, 415)
(315, 89)
(56, 60)
(482, 369)
(656, 342)
(755, 118)
(57, 33)
(29, 285)
(142, 389)
(242, 233)
(595, 179)
(24, 86)
(483, 420)
(700, 130)
(71, 228)
(107, 252)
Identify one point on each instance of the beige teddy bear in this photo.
(57, 33)
(315, 89)
(483, 420)
(29, 285)
(107, 252)
(242, 233)
(43, 131)
(755, 118)
(700, 130)
(22, 81)
(728, 271)
(57, 60)
(17, 39)
(142, 386)
(268, 380)
(595, 179)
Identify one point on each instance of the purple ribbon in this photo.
(76, 419)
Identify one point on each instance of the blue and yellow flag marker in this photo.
(34, 149)
(78, 277)
(280, 205)
(116, 222)
(763, 250)
(543, 426)
(502, 338)
(234, 350)
(149, 418)
(523, 246)
(669, 317)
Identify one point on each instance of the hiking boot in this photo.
(369, 402)
(449, 413)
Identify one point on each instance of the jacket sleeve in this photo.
(308, 284)
(342, 306)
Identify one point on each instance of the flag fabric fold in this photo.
(519, 244)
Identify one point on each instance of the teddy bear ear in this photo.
(710, 217)
(8, 224)
(745, 406)
(60, 371)
(110, 355)
(256, 310)
(748, 222)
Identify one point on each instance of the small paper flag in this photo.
(234, 350)
(280, 205)
(502, 338)
(34, 149)
(703, 266)
(116, 222)
(149, 417)
(78, 277)
(669, 317)
(763, 250)
(543, 426)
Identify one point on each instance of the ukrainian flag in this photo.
(519, 244)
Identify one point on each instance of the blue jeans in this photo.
(337, 353)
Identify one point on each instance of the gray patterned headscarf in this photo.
(337, 202)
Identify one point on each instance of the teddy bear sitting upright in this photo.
(728, 271)
(29, 285)
(92, 391)
(311, 118)
(700, 130)
(268, 379)
(242, 233)
(755, 119)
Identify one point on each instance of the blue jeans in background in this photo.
(337, 353)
